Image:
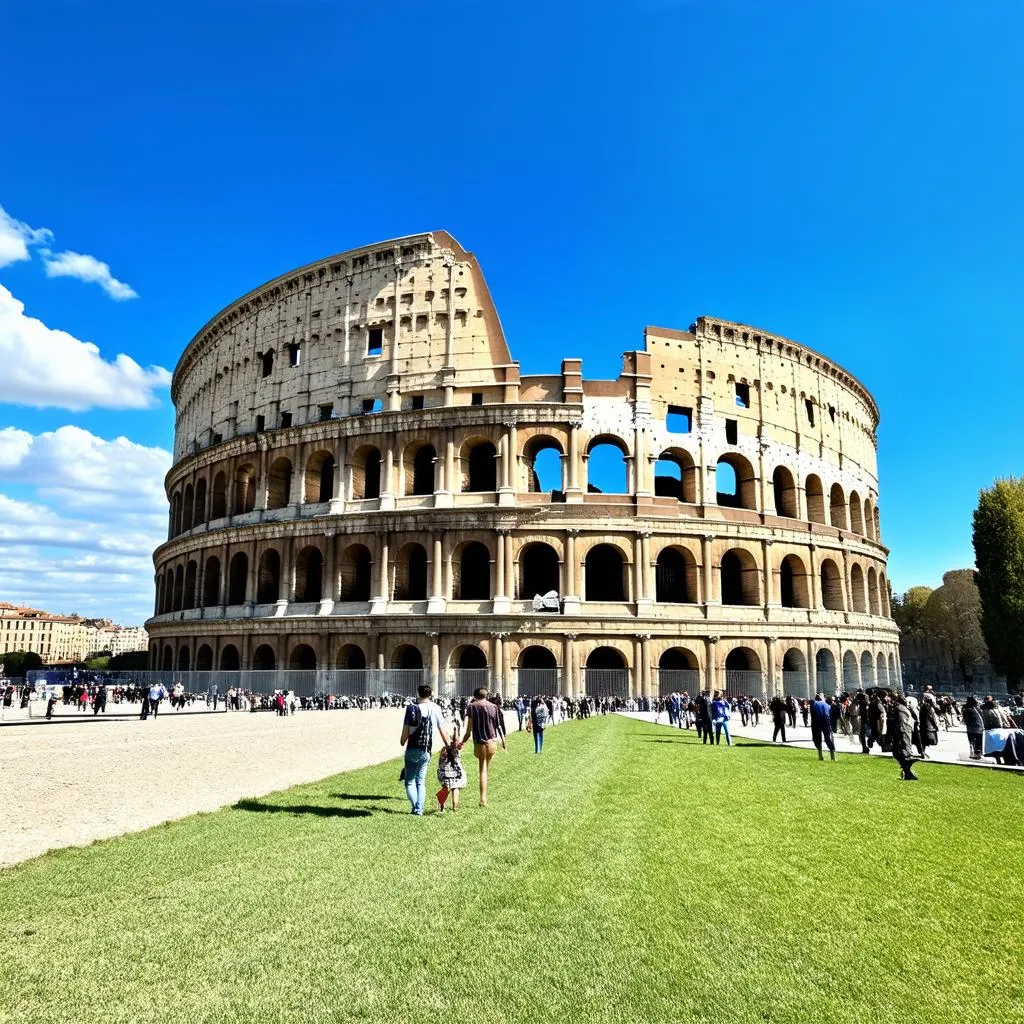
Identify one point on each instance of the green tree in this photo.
(909, 611)
(17, 663)
(999, 556)
(134, 661)
(952, 616)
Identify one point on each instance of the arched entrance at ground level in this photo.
(538, 571)
(406, 656)
(794, 673)
(606, 674)
(167, 661)
(894, 678)
(469, 669)
(204, 658)
(183, 659)
(351, 656)
(882, 671)
(825, 680)
(867, 670)
(743, 672)
(538, 671)
(678, 672)
(229, 660)
(264, 659)
(303, 658)
(605, 574)
(851, 675)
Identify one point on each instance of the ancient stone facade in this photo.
(362, 478)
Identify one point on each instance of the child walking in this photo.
(451, 774)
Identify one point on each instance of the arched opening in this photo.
(175, 527)
(187, 508)
(874, 603)
(678, 671)
(200, 506)
(179, 588)
(351, 656)
(735, 484)
(838, 510)
(303, 658)
(869, 519)
(743, 671)
(882, 670)
(878, 527)
(356, 567)
(605, 574)
(894, 679)
(309, 575)
(856, 514)
(183, 659)
(279, 483)
(815, 500)
(606, 674)
(264, 659)
(229, 659)
(784, 487)
(480, 467)
(204, 659)
(268, 579)
(319, 480)
(793, 583)
(245, 489)
(470, 669)
(238, 572)
(739, 578)
(675, 476)
(420, 464)
(472, 571)
(168, 592)
(211, 582)
(831, 586)
(219, 497)
(537, 671)
(538, 570)
(411, 573)
(675, 577)
(867, 670)
(857, 600)
(851, 674)
(825, 672)
(794, 673)
(470, 656)
(543, 459)
(606, 466)
(167, 661)
(365, 466)
(191, 574)
(884, 604)
(536, 656)
(407, 657)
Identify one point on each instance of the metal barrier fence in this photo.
(744, 681)
(606, 682)
(534, 681)
(678, 680)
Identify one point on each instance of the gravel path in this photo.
(78, 778)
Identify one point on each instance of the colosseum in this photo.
(364, 485)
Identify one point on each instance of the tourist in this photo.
(792, 707)
(539, 716)
(704, 724)
(157, 692)
(451, 774)
(486, 724)
(521, 711)
(777, 706)
(928, 723)
(975, 726)
(756, 710)
(821, 726)
(902, 736)
(99, 700)
(720, 714)
(421, 718)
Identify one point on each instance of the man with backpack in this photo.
(418, 727)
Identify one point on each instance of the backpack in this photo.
(420, 728)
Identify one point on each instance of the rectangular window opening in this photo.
(809, 406)
(679, 420)
(832, 413)
(477, 398)
(731, 432)
(743, 396)
(261, 423)
(294, 354)
(372, 405)
(286, 420)
(326, 411)
(375, 341)
(416, 402)
(266, 364)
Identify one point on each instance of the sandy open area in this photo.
(79, 778)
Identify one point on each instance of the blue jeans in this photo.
(538, 740)
(721, 726)
(416, 764)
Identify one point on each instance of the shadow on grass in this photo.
(364, 796)
(317, 809)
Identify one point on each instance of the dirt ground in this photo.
(78, 778)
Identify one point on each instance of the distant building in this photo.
(62, 638)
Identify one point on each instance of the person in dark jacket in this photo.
(974, 725)
(821, 726)
(929, 722)
(902, 734)
(704, 718)
(777, 706)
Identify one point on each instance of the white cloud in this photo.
(87, 268)
(16, 238)
(47, 367)
(84, 540)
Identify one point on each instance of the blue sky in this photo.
(846, 175)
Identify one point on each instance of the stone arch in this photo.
(229, 658)
(869, 519)
(894, 676)
(851, 671)
(219, 497)
(199, 516)
(874, 605)
(794, 673)
(606, 574)
(537, 656)
(784, 488)
(675, 476)
(606, 673)
(191, 576)
(543, 457)
(878, 526)
(606, 463)
(606, 658)
(882, 670)
(411, 573)
(365, 469)
(837, 514)
(825, 678)
(204, 658)
(743, 671)
(245, 489)
(279, 483)
(175, 514)
(857, 600)
(238, 574)
(302, 658)
(867, 670)
(739, 578)
(211, 582)
(184, 658)
(419, 464)
(179, 589)
(319, 478)
(167, 604)
(471, 572)
(815, 499)
(468, 656)
(268, 577)
(831, 586)
(407, 656)
(479, 466)
(264, 659)
(856, 514)
(188, 502)
(309, 575)
(538, 570)
(351, 656)
(167, 660)
(735, 483)
(884, 607)
(678, 671)
(675, 576)
(356, 573)
(794, 583)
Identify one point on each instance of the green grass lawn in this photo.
(628, 874)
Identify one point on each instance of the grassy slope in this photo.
(626, 875)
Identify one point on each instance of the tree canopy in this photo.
(17, 663)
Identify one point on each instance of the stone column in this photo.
(771, 684)
(387, 494)
(506, 480)
(261, 481)
(443, 497)
(437, 603)
(500, 603)
(649, 571)
(710, 591)
(330, 582)
(338, 489)
(710, 666)
(222, 589)
(574, 490)
(284, 586)
(296, 488)
(769, 589)
(571, 597)
(498, 661)
(635, 688)
(568, 671)
(435, 660)
(639, 592)
(643, 487)
(378, 605)
(645, 664)
(812, 671)
(815, 574)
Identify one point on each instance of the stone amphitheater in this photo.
(363, 481)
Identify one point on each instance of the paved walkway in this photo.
(952, 747)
